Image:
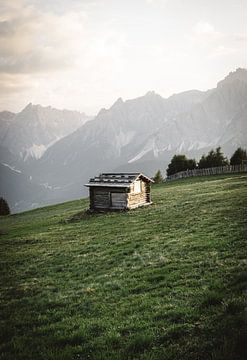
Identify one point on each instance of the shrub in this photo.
(4, 207)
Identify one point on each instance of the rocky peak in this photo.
(239, 75)
(117, 103)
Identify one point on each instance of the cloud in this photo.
(52, 54)
(222, 50)
(35, 62)
(205, 32)
(12, 88)
(204, 28)
(85, 53)
(10, 84)
(34, 41)
(242, 38)
(212, 43)
(157, 2)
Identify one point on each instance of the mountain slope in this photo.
(114, 135)
(20, 191)
(6, 118)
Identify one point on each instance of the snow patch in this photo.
(36, 151)
(168, 147)
(46, 185)
(197, 145)
(139, 156)
(123, 139)
(150, 146)
(155, 149)
(12, 168)
(181, 146)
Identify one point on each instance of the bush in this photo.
(4, 207)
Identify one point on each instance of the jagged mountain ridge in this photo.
(209, 123)
(35, 128)
(115, 135)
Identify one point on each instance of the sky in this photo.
(84, 54)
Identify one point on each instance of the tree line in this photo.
(213, 159)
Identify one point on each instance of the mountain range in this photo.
(47, 154)
(31, 132)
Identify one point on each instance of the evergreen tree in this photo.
(238, 157)
(203, 162)
(180, 163)
(4, 207)
(213, 159)
(158, 178)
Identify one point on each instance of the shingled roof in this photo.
(117, 179)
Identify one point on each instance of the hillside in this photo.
(143, 134)
(162, 282)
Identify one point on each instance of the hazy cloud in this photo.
(203, 27)
(85, 54)
(34, 41)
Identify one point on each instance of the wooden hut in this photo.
(119, 191)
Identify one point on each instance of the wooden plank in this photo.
(118, 200)
(101, 199)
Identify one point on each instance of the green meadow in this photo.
(167, 281)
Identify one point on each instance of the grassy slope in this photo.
(163, 282)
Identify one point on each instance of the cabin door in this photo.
(118, 200)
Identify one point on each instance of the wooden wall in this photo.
(107, 198)
(103, 198)
(134, 199)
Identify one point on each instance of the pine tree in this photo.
(220, 158)
(4, 207)
(238, 157)
(158, 178)
(180, 163)
(213, 159)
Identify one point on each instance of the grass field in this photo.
(166, 281)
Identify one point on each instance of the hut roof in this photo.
(117, 179)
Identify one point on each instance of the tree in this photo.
(158, 178)
(239, 155)
(213, 159)
(180, 163)
(4, 207)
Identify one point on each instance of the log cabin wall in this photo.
(137, 198)
(103, 198)
(148, 192)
